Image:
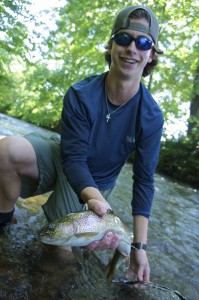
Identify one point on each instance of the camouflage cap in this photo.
(122, 22)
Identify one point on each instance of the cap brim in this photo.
(159, 51)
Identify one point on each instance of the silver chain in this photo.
(108, 115)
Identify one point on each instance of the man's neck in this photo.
(120, 91)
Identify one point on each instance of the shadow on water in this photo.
(30, 270)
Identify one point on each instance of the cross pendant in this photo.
(108, 117)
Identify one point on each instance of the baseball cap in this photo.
(122, 21)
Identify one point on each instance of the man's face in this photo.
(128, 60)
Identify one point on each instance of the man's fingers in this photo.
(110, 240)
(98, 206)
(115, 241)
(92, 245)
(105, 242)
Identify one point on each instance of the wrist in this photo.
(138, 246)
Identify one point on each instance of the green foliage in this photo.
(12, 31)
(83, 30)
(36, 67)
(179, 23)
(41, 103)
(180, 158)
(75, 49)
(8, 82)
(13, 49)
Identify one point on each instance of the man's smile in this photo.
(129, 60)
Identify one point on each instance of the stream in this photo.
(30, 270)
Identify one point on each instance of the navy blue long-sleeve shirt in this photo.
(94, 150)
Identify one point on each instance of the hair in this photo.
(137, 14)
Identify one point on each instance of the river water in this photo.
(30, 270)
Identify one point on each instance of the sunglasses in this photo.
(124, 39)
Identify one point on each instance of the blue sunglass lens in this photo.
(143, 43)
(124, 39)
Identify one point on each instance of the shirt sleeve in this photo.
(145, 162)
(75, 133)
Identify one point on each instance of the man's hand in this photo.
(139, 266)
(110, 240)
(100, 207)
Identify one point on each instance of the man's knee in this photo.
(17, 152)
(11, 149)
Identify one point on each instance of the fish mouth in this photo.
(46, 239)
(52, 240)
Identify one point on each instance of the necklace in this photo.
(108, 115)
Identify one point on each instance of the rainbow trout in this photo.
(82, 228)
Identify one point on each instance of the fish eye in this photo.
(51, 227)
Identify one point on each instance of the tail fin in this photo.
(113, 265)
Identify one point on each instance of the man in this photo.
(105, 118)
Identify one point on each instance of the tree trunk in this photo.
(194, 107)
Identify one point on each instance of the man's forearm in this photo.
(140, 229)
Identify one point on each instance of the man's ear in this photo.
(109, 47)
(152, 55)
